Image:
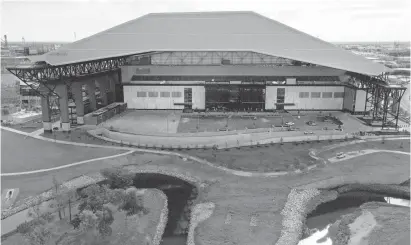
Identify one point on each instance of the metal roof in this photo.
(211, 31)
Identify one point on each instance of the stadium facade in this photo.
(239, 61)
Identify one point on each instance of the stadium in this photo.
(212, 61)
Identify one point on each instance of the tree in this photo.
(93, 198)
(132, 205)
(56, 187)
(118, 177)
(40, 235)
(35, 231)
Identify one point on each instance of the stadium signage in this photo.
(142, 71)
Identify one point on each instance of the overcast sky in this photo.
(330, 20)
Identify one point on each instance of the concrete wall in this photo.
(292, 95)
(270, 97)
(360, 100)
(134, 102)
(349, 97)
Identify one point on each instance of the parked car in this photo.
(311, 123)
(340, 155)
(308, 132)
(289, 123)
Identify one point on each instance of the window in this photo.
(315, 94)
(152, 94)
(176, 94)
(165, 94)
(141, 94)
(327, 94)
(304, 94)
(338, 94)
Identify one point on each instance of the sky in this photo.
(330, 20)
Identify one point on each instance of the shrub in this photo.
(303, 167)
(179, 147)
(111, 128)
(117, 177)
(162, 147)
(76, 222)
(25, 227)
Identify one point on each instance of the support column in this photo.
(45, 111)
(61, 90)
(78, 99)
(113, 83)
(103, 83)
(91, 91)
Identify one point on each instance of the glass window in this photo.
(304, 94)
(152, 94)
(141, 94)
(327, 94)
(338, 94)
(165, 94)
(176, 94)
(315, 94)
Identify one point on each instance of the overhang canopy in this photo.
(211, 31)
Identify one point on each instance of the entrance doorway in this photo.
(222, 97)
(280, 99)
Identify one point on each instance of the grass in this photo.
(135, 233)
(22, 153)
(261, 158)
(393, 145)
(35, 184)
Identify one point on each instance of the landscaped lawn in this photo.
(35, 184)
(392, 145)
(20, 153)
(266, 158)
(130, 232)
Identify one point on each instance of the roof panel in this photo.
(214, 31)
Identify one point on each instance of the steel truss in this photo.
(212, 58)
(48, 76)
(44, 79)
(382, 101)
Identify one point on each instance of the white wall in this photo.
(270, 97)
(360, 100)
(349, 96)
(134, 102)
(292, 95)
